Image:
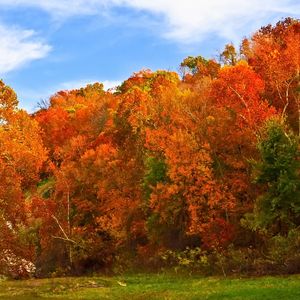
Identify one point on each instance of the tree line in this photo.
(204, 162)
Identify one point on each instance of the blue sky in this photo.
(52, 45)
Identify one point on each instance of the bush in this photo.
(191, 260)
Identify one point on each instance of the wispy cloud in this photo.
(183, 21)
(62, 8)
(19, 47)
(187, 21)
(111, 84)
(34, 96)
(71, 85)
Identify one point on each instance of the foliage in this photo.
(278, 170)
(97, 180)
(156, 170)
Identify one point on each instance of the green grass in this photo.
(146, 286)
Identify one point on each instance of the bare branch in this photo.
(64, 239)
(60, 227)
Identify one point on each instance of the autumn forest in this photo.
(197, 169)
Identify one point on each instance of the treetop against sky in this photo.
(55, 45)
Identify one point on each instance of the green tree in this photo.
(278, 171)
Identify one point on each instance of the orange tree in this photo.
(21, 158)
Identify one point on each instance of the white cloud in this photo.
(30, 97)
(76, 84)
(111, 84)
(62, 8)
(192, 20)
(18, 47)
(181, 20)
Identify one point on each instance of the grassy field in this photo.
(153, 287)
